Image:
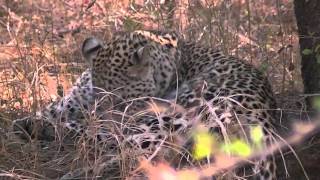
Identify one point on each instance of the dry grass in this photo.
(39, 56)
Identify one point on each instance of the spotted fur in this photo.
(226, 94)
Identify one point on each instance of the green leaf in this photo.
(264, 66)
(310, 33)
(316, 103)
(317, 49)
(130, 24)
(237, 147)
(318, 58)
(307, 52)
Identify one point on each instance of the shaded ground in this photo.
(44, 160)
(309, 155)
(308, 151)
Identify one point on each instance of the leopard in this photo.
(195, 83)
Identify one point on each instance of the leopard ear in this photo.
(90, 47)
(140, 61)
(142, 56)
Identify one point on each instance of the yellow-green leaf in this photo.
(203, 146)
(237, 147)
(256, 134)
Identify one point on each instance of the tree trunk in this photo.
(308, 21)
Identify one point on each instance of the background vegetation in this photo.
(40, 56)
